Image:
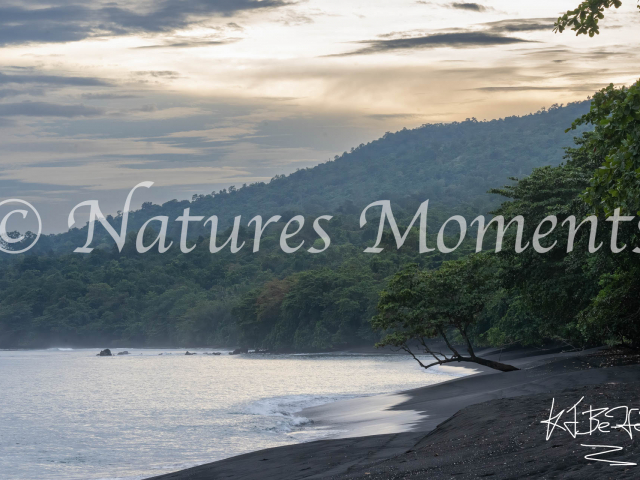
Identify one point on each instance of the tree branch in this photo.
(463, 332)
(408, 350)
(428, 350)
(481, 361)
(455, 352)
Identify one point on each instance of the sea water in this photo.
(68, 414)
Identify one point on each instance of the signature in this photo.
(595, 420)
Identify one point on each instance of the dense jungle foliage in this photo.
(325, 301)
(581, 297)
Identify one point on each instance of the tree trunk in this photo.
(503, 367)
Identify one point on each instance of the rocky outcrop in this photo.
(105, 353)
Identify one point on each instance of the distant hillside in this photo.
(451, 164)
(297, 302)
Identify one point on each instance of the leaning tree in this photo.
(419, 306)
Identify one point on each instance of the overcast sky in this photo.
(198, 95)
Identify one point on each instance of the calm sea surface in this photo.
(67, 414)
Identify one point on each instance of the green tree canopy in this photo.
(584, 19)
(418, 306)
(615, 113)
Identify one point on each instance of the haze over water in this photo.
(67, 414)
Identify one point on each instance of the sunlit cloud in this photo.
(454, 39)
(232, 91)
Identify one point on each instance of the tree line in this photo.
(586, 296)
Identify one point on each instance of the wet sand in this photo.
(484, 425)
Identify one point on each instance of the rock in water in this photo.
(105, 353)
(238, 351)
(123, 353)
(189, 353)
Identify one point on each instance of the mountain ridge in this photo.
(451, 164)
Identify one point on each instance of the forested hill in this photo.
(297, 302)
(453, 165)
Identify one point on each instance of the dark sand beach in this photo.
(487, 425)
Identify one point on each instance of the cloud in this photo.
(388, 116)
(9, 92)
(472, 7)
(44, 109)
(189, 44)
(292, 18)
(217, 36)
(520, 25)
(65, 23)
(455, 40)
(579, 87)
(482, 35)
(159, 73)
(468, 6)
(521, 88)
(116, 174)
(108, 96)
(54, 80)
(146, 108)
(12, 92)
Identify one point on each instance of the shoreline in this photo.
(209, 407)
(419, 415)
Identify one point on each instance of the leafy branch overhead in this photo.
(584, 19)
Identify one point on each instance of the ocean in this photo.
(68, 414)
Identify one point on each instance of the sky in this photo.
(198, 95)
